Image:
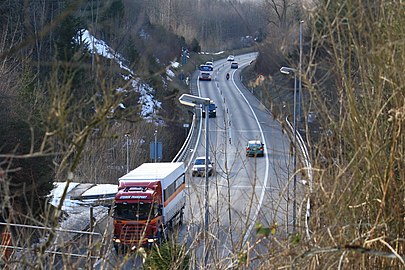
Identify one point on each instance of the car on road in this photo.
(234, 65)
(212, 110)
(255, 148)
(198, 168)
(210, 63)
(230, 58)
(205, 72)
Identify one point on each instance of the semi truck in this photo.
(150, 200)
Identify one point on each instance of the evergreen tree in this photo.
(65, 43)
(195, 46)
(29, 177)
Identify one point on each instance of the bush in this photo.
(168, 256)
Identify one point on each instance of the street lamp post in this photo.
(287, 70)
(127, 144)
(156, 151)
(193, 101)
(300, 74)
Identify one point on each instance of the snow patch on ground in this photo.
(57, 193)
(175, 64)
(149, 105)
(76, 212)
(101, 190)
(212, 53)
(170, 73)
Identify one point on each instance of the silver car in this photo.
(199, 167)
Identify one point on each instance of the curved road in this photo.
(245, 190)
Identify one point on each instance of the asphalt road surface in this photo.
(244, 190)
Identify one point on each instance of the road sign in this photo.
(155, 150)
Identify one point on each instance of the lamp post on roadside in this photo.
(287, 70)
(155, 149)
(127, 144)
(300, 74)
(193, 101)
(308, 213)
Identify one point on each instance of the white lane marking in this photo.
(234, 187)
(199, 133)
(267, 164)
(263, 140)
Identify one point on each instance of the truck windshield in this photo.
(137, 211)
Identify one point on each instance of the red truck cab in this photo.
(137, 214)
(150, 199)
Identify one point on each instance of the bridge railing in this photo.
(303, 150)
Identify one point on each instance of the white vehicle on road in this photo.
(199, 167)
(210, 63)
(205, 73)
(231, 58)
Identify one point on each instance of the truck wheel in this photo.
(161, 235)
(117, 248)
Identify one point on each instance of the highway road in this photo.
(244, 190)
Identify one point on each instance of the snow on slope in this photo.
(149, 105)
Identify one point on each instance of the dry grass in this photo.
(353, 66)
(358, 218)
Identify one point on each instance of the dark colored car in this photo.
(234, 65)
(212, 110)
(255, 148)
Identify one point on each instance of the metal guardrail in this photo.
(33, 248)
(304, 151)
(184, 149)
(48, 228)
